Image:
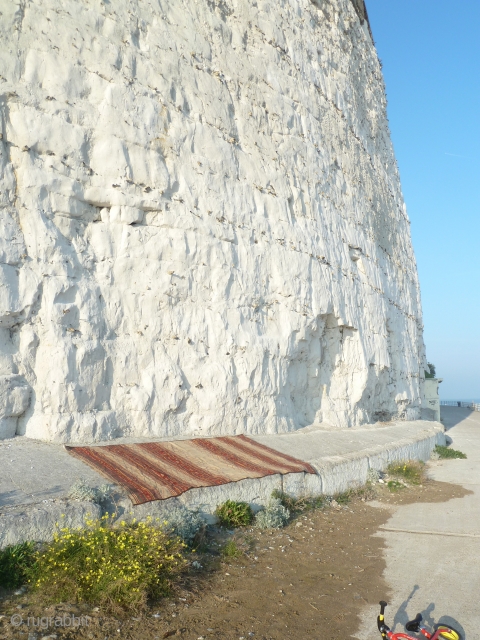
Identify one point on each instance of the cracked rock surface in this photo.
(202, 225)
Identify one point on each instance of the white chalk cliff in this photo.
(202, 225)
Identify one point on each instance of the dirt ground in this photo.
(306, 581)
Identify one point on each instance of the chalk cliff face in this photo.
(202, 226)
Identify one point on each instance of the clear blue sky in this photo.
(430, 50)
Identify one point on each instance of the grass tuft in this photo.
(395, 485)
(231, 550)
(412, 471)
(446, 452)
(345, 498)
(307, 503)
(292, 504)
(363, 493)
(299, 505)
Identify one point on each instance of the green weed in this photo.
(446, 452)
(307, 503)
(292, 504)
(299, 505)
(412, 471)
(314, 502)
(231, 550)
(345, 497)
(15, 561)
(395, 486)
(234, 514)
(363, 493)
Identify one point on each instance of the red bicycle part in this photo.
(398, 636)
(414, 625)
(405, 636)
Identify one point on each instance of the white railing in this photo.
(454, 403)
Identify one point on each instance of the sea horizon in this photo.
(475, 400)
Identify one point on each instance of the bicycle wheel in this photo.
(448, 633)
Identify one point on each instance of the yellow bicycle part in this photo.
(448, 634)
(381, 620)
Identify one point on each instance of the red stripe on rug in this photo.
(269, 459)
(231, 457)
(184, 464)
(137, 492)
(285, 456)
(298, 463)
(145, 466)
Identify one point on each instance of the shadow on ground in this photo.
(452, 416)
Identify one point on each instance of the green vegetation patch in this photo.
(307, 503)
(395, 485)
(347, 496)
(412, 471)
(15, 562)
(446, 452)
(292, 504)
(274, 516)
(231, 550)
(299, 505)
(431, 373)
(234, 514)
(116, 567)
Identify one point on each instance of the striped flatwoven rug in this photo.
(159, 470)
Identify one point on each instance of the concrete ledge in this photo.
(38, 522)
(336, 474)
(355, 451)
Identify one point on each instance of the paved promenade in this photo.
(433, 550)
